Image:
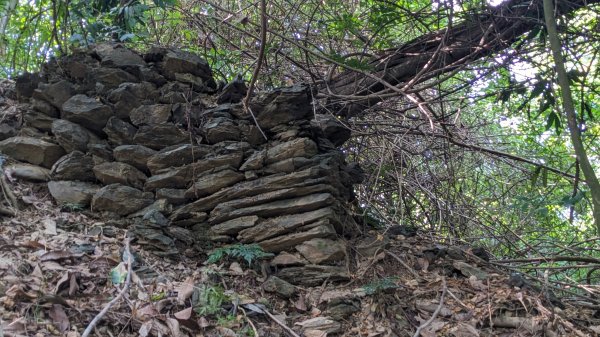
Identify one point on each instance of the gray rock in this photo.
(101, 150)
(72, 192)
(119, 173)
(117, 56)
(180, 177)
(320, 229)
(71, 136)
(135, 155)
(28, 172)
(86, 111)
(151, 114)
(7, 130)
(252, 134)
(288, 165)
(124, 100)
(332, 129)
(111, 78)
(179, 61)
(314, 275)
(319, 250)
(324, 325)
(285, 224)
(233, 226)
(38, 120)
(301, 147)
(56, 93)
(120, 199)
(160, 136)
(25, 84)
(74, 166)
(213, 182)
(119, 132)
(155, 212)
(278, 286)
(220, 129)
(32, 150)
(285, 259)
(252, 188)
(277, 208)
(45, 108)
(282, 106)
(174, 196)
(177, 155)
(255, 162)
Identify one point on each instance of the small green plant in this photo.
(72, 207)
(380, 285)
(208, 300)
(247, 252)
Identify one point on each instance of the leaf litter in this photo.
(59, 269)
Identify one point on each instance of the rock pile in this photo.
(151, 136)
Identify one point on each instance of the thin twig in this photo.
(259, 62)
(249, 322)
(436, 312)
(98, 317)
(281, 324)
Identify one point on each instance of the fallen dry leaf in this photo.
(184, 314)
(185, 290)
(59, 317)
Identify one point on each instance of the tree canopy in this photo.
(456, 109)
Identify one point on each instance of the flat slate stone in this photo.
(300, 147)
(279, 207)
(55, 93)
(319, 250)
(160, 136)
(28, 172)
(233, 226)
(74, 166)
(32, 150)
(87, 112)
(320, 229)
(314, 275)
(150, 114)
(174, 196)
(119, 173)
(176, 155)
(120, 199)
(211, 183)
(72, 192)
(135, 155)
(72, 136)
(119, 132)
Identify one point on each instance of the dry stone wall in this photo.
(152, 136)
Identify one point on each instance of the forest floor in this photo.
(58, 268)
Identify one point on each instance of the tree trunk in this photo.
(569, 110)
(486, 33)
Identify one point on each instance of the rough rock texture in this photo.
(147, 130)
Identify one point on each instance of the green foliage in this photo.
(208, 300)
(249, 253)
(381, 285)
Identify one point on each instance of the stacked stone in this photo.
(133, 134)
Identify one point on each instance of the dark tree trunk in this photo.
(485, 33)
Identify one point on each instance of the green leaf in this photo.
(118, 274)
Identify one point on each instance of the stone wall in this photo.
(152, 136)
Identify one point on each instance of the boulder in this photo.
(233, 226)
(119, 173)
(284, 224)
(117, 56)
(135, 155)
(213, 182)
(28, 172)
(86, 111)
(71, 136)
(32, 150)
(320, 229)
(220, 129)
(277, 208)
(320, 250)
(111, 78)
(300, 147)
(119, 132)
(74, 166)
(38, 120)
(72, 192)
(45, 108)
(278, 286)
(281, 106)
(177, 155)
(120, 199)
(174, 196)
(160, 136)
(55, 93)
(151, 114)
(314, 275)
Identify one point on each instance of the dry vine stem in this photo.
(436, 312)
(98, 317)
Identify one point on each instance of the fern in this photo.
(247, 252)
